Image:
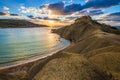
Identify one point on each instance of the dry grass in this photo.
(71, 66)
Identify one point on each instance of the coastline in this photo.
(12, 23)
(14, 66)
(81, 59)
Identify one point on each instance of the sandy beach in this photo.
(26, 64)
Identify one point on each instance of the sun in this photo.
(51, 24)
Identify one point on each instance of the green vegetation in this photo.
(10, 23)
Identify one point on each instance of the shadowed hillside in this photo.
(10, 23)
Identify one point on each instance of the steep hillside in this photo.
(99, 43)
(83, 28)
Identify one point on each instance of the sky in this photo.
(62, 11)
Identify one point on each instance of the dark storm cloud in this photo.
(31, 16)
(71, 17)
(14, 14)
(101, 3)
(115, 14)
(61, 9)
(73, 8)
(90, 12)
(111, 17)
(1, 13)
(95, 12)
(56, 8)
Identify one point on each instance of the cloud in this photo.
(71, 18)
(23, 9)
(14, 15)
(1, 13)
(91, 7)
(56, 8)
(100, 3)
(110, 17)
(6, 9)
(61, 9)
(89, 12)
(95, 12)
(115, 14)
(72, 8)
(33, 11)
(31, 16)
(112, 23)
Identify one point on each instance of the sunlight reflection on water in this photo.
(22, 43)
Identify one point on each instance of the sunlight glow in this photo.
(51, 24)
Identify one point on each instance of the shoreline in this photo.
(14, 65)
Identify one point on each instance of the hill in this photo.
(93, 55)
(11, 23)
(99, 43)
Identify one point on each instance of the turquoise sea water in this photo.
(22, 43)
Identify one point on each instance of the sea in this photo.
(19, 45)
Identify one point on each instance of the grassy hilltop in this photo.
(93, 55)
